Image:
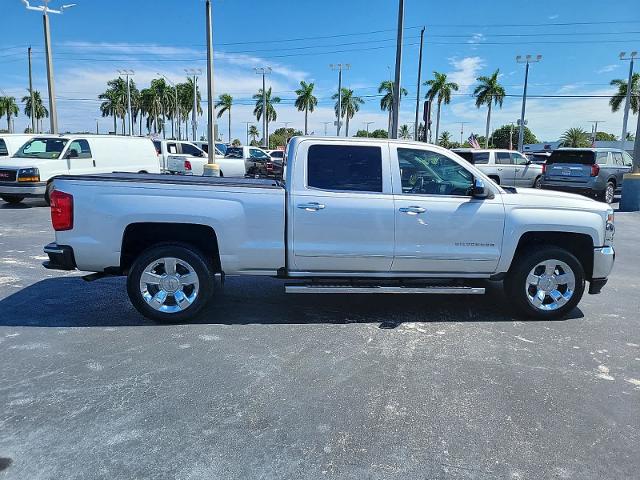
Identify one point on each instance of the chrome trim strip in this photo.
(389, 290)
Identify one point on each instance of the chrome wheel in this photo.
(550, 285)
(609, 192)
(169, 285)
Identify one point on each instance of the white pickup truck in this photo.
(352, 216)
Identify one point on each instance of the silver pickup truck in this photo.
(353, 216)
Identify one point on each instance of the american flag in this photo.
(473, 141)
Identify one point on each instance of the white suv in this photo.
(505, 167)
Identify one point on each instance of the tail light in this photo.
(269, 166)
(61, 210)
(595, 170)
(544, 168)
(187, 165)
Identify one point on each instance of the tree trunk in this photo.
(164, 129)
(486, 136)
(306, 113)
(346, 126)
(389, 122)
(438, 121)
(229, 139)
(115, 125)
(8, 122)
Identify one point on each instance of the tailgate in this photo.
(175, 163)
(570, 166)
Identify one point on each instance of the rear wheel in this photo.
(609, 192)
(12, 199)
(547, 284)
(170, 283)
(537, 183)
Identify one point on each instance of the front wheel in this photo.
(546, 284)
(12, 199)
(170, 283)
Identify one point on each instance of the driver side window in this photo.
(431, 173)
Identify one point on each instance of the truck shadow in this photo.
(71, 302)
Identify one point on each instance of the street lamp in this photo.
(631, 57)
(367, 125)
(175, 91)
(339, 67)
(127, 74)
(194, 72)
(526, 60)
(265, 122)
(53, 113)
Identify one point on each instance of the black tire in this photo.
(185, 253)
(516, 285)
(537, 183)
(495, 179)
(12, 199)
(609, 192)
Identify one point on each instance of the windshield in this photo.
(583, 157)
(46, 148)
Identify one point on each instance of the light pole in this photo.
(325, 127)
(526, 60)
(175, 113)
(594, 130)
(194, 72)
(97, 128)
(367, 125)
(396, 88)
(53, 113)
(127, 74)
(339, 67)
(416, 127)
(462, 124)
(265, 122)
(33, 116)
(627, 103)
(211, 104)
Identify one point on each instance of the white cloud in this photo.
(554, 17)
(608, 68)
(476, 38)
(466, 71)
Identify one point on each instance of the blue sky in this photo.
(300, 39)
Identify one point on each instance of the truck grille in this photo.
(7, 175)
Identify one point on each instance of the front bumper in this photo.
(603, 260)
(60, 257)
(26, 189)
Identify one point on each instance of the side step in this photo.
(440, 290)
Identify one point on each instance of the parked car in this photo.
(29, 171)
(257, 161)
(354, 216)
(505, 167)
(178, 156)
(595, 172)
(10, 143)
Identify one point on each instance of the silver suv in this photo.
(505, 167)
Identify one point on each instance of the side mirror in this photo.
(479, 189)
(72, 153)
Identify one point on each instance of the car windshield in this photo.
(583, 157)
(234, 152)
(46, 148)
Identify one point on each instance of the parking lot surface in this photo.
(282, 387)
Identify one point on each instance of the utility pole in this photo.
(594, 130)
(339, 67)
(211, 104)
(265, 123)
(325, 127)
(127, 74)
(417, 125)
(396, 87)
(176, 118)
(462, 124)
(53, 115)
(97, 128)
(367, 125)
(625, 119)
(33, 115)
(247, 129)
(527, 60)
(194, 72)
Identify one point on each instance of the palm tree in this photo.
(253, 132)
(271, 115)
(404, 132)
(224, 105)
(350, 105)
(487, 93)
(440, 88)
(114, 101)
(185, 102)
(575, 137)
(619, 98)
(445, 140)
(40, 110)
(9, 107)
(306, 101)
(386, 102)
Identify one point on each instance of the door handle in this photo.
(412, 210)
(311, 207)
(499, 169)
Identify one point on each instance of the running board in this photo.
(445, 290)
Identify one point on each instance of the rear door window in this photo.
(81, 147)
(519, 159)
(503, 158)
(172, 148)
(617, 159)
(345, 168)
(4, 151)
(583, 157)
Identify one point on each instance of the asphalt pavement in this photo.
(270, 386)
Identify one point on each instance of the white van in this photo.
(27, 172)
(10, 143)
